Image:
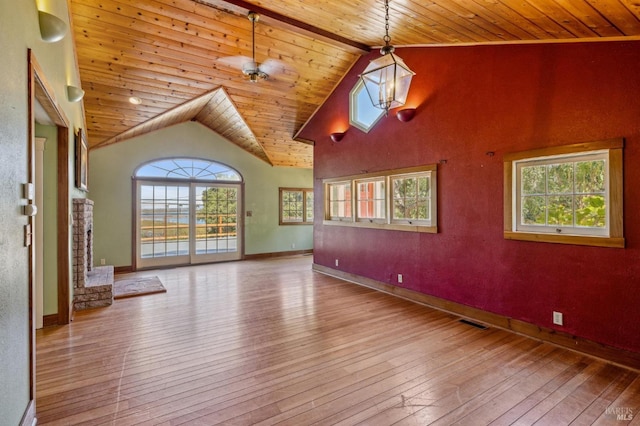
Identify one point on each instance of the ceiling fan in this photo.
(253, 70)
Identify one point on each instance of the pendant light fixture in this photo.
(387, 79)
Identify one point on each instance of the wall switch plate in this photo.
(557, 318)
(103, 262)
(399, 278)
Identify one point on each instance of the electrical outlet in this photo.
(293, 245)
(337, 263)
(399, 278)
(557, 318)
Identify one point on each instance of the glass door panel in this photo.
(215, 225)
(162, 224)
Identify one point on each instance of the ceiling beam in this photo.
(292, 24)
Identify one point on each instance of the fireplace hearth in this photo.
(92, 286)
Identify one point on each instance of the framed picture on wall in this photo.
(81, 160)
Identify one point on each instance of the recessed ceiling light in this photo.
(135, 100)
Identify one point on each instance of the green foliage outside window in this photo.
(411, 198)
(309, 210)
(296, 206)
(218, 211)
(569, 194)
(292, 206)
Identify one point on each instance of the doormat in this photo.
(138, 286)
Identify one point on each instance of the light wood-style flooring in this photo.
(272, 342)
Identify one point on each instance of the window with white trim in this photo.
(401, 199)
(296, 206)
(566, 193)
(340, 201)
(570, 194)
(371, 196)
(411, 198)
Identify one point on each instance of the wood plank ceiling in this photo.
(177, 56)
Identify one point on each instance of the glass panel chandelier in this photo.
(387, 79)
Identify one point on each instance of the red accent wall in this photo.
(473, 100)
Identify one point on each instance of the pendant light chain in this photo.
(387, 79)
(386, 38)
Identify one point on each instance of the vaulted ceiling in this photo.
(180, 57)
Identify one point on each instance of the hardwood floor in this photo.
(271, 342)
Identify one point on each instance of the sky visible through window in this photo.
(363, 114)
(188, 169)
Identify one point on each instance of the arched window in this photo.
(188, 210)
(188, 168)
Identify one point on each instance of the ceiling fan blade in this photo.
(236, 62)
(249, 66)
(274, 67)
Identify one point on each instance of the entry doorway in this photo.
(43, 109)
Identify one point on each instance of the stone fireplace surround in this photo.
(92, 286)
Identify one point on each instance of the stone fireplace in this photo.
(92, 286)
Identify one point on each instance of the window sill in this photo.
(612, 242)
(385, 226)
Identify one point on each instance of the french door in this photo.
(187, 223)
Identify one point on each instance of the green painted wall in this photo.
(110, 187)
(20, 32)
(48, 210)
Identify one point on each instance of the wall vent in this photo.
(474, 324)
